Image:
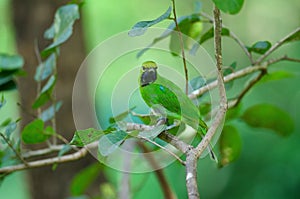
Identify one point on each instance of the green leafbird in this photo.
(157, 90)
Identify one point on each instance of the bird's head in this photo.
(148, 73)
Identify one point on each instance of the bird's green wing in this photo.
(154, 94)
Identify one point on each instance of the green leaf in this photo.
(204, 108)
(294, 37)
(234, 112)
(62, 27)
(108, 191)
(141, 27)
(10, 62)
(270, 117)
(182, 21)
(260, 47)
(191, 26)
(65, 149)
(210, 34)
(10, 128)
(48, 114)
(34, 132)
(84, 179)
(45, 94)
(45, 69)
(197, 82)
(11, 85)
(230, 145)
(229, 6)
(278, 75)
(5, 123)
(110, 142)
(121, 116)
(2, 101)
(6, 76)
(87, 136)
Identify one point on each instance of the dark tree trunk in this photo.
(32, 18)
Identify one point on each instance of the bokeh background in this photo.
(268, 166)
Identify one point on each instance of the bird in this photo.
(157, 90)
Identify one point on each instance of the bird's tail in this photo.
(203, 129)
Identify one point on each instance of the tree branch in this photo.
(248, 87)
(220, 83)
(191, 175)
(277, 45)
(45, 162)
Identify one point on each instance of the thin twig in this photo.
(232, 76)
(175, 141)
(12, 147)
(45, 162)
(283, 58)
(182, 49)
(162, 147)
(248, 87)
(221, 86)
(41, 152)
(277, 45)
(242, 45)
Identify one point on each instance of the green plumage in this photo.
(157, 90)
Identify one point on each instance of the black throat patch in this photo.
(148, 76)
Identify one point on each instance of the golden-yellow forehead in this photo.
(149, 64)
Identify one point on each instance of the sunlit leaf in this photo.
(48, 114)
(270, 117)
(230, 145)
(229, 6)
(45, 94)
(260, 47)
(87, 136)
(141, 27)
(84, 179)
(62, 27)
(278, 75)
(108, 191)
(5, 123)
(34, 132)
(45, 69)
(10, 62)
(110, 142)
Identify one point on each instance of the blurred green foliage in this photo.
(268, 164)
